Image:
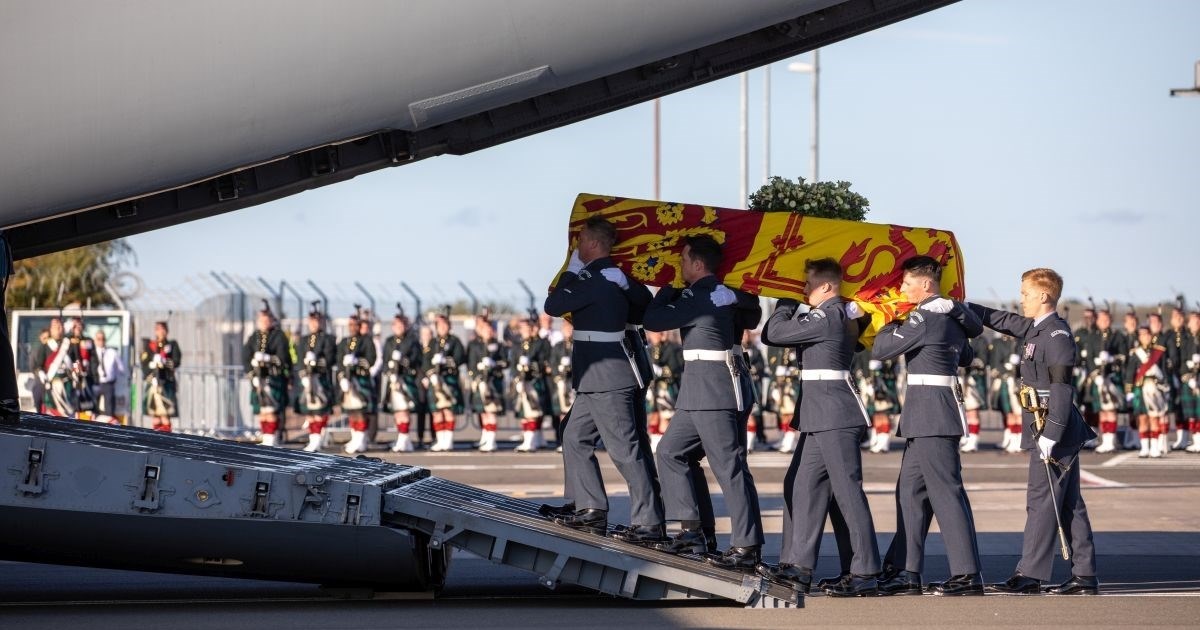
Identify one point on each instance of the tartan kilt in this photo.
(276, 397)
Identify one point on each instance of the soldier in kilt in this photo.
(1005, 385)
(1147, 391)
(974, 380)
(1189, 400)
(563, 395)
(666, 362)
(783, 392)
(268, 362)
(1103, 387)
(54, 362)
(159, 359)
(531, 399)
(487, 358)
(318, 359)
(356, 354)
(398, 392)
(440, 361)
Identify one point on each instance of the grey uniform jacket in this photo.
(825, 339)
(1047, 351)
(932, 343)
(705, 385)
(595, 304)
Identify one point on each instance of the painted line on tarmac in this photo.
(1118, 460)
(437, 467)
(1092, 480)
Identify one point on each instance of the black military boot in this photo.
(790, 575)
(592, 521)
(825, 584)
(645, 535)
(856, 586)
(743, 559)
(686, 541)
(10, 412)
(967, 584)
(1017, 585)
(1077, 585)
(902, 583)
(551, 511)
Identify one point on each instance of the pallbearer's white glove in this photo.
(722, 296)
(938, 305)
(1044, 445)
(853, 310)
(575, 265)
(615, 276)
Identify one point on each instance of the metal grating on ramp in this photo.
(509, 531)
(216, 451)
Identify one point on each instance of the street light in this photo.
(1192, 91)
(813, 68)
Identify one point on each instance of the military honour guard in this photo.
(1053, 432)
(440, 362)
(318, 358)
(160, 359)
(563, 393)
(56, 364)
(487, 359)
(666, 362)
(530, 365)
(355, 355)
(267, 359)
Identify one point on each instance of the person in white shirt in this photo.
(110, 369)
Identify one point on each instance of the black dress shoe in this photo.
(855, 586)
(687, 541)
(1077, 585)
(829, 582)
(967, 584)
(590, 520)
(646, 535)
(1017, 585)
(789, 575)
(743, 559)
(902, 583)
(10, 412)
(550, 511)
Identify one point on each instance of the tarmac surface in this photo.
(1146, 514)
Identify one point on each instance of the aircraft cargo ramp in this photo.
(89, 494)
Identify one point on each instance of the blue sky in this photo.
(1041, 133)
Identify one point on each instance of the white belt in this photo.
(596, 335)
(706, 355)
(932, 379)
(824, 375)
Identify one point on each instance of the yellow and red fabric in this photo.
(765, 252)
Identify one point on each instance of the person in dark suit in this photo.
(832, 423)
(934, 345)
(1047, 359)
(600, 299)
(712, 398)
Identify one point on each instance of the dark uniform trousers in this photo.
(611, 417)
(931, 482)
(1041, 531)
(828, 467)
(683, 444)
(841, 532)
